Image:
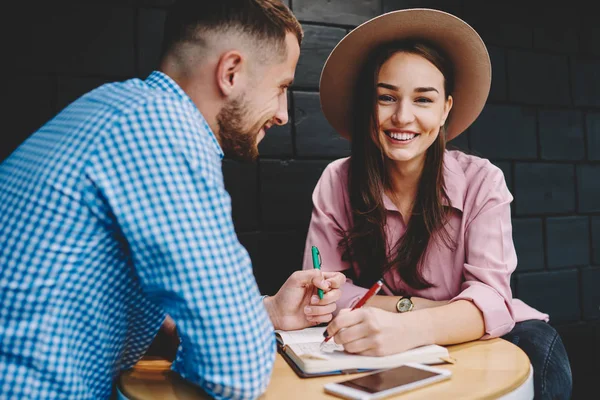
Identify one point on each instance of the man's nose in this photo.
(282, 117)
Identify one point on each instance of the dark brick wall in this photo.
(541, 126)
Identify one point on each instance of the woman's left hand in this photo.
(372, 331)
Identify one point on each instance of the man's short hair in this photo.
(264, 22)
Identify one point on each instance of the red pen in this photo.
(372, 292)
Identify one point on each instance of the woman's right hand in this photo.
(372, 331)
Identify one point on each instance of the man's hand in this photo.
(297, 305)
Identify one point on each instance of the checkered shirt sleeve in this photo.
(176, 215)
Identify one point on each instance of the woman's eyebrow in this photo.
(418, 90)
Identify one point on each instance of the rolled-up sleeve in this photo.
(330, 218)
(490, 256)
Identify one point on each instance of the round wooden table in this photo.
(486, 369)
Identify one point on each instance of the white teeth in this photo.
(402, 136)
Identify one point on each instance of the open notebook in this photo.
(301, 350)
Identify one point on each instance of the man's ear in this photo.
(228, 71)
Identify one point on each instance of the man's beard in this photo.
(236, 143)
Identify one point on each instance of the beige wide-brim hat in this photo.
(457, 39)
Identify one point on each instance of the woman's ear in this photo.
(228, 71)
(447, 107)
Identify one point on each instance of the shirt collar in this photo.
(455, 182)
(161, 81)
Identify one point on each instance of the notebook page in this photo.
(313, 350)
(334, 357)
(306, 335)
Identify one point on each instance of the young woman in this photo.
(434, 224)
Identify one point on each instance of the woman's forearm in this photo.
(457, 322)
(388, 303)
(437, 321)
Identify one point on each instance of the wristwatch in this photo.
(405, 304)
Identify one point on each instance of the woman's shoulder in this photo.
(331, 189)
(474, 168)
(480, 182)
(337, 169)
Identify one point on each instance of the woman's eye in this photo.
(423, 100)
(385, 97)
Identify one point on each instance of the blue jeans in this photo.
(551, 369)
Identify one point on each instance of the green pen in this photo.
(316, 257)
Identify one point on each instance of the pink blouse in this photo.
(478, 269)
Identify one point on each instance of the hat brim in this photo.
(457, 39)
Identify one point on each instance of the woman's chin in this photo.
(400, 155)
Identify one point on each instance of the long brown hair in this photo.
(365, 242)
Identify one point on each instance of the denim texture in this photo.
(552, 378)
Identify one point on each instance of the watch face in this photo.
(404, 305)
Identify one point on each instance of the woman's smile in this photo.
(400, 138)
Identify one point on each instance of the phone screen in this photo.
(388, 379)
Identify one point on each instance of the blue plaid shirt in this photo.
(111, 215)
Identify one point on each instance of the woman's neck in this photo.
(402, 182)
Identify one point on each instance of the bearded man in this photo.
(114, 219)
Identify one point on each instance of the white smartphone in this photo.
(384, 383)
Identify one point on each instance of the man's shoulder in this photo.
(155, 113)
(134, 95)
